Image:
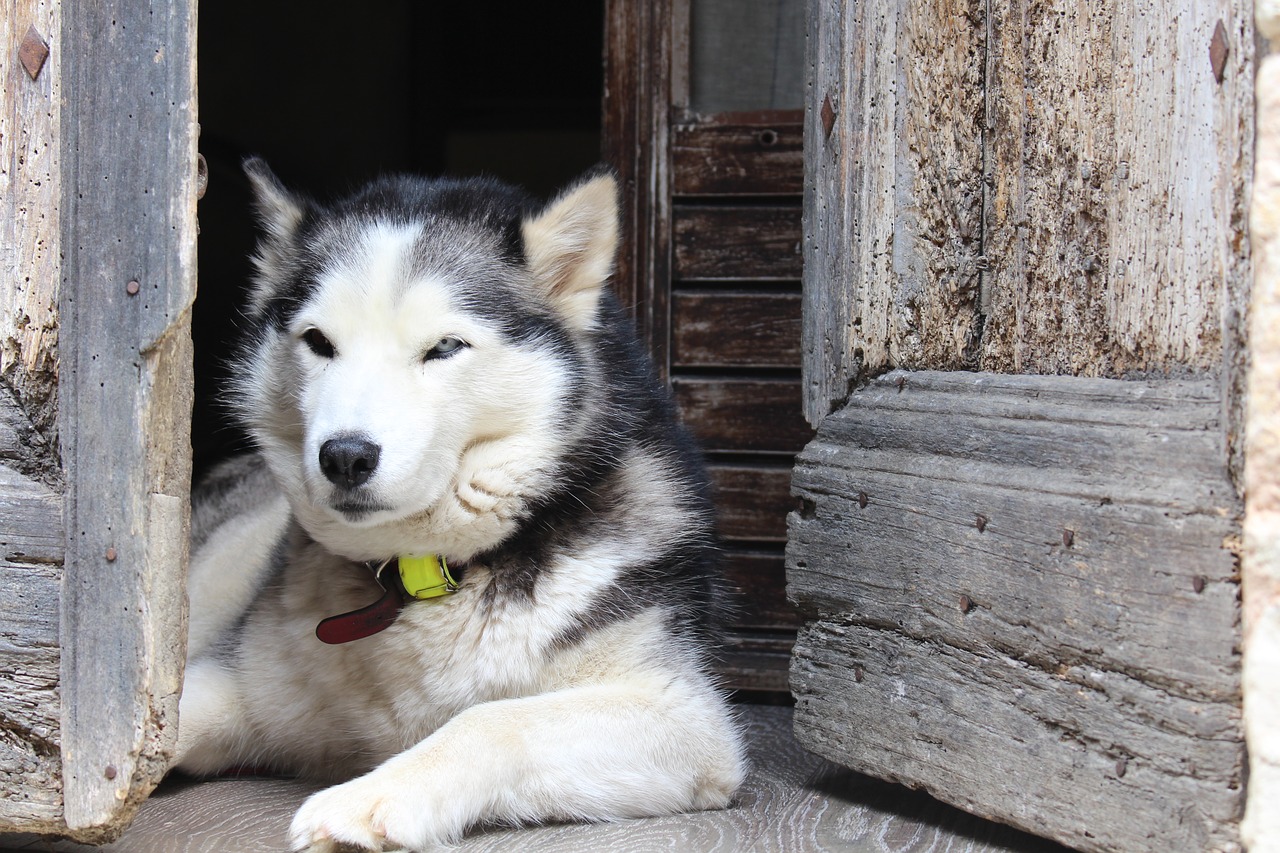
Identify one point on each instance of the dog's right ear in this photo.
(279, 211)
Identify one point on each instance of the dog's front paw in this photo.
(487, 498)
(378, 811)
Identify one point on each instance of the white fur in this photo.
(226, 571)
(470, 707)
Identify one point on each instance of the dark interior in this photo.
(333, 93)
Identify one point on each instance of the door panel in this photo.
(736, 243)
(740, 155)
(735, 329)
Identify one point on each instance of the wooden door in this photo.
(1026, 270)
(97, 229)
(703, 122)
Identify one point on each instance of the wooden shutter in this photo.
(1025, 270)
(98, 212)
(711, 264)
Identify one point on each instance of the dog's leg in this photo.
(487, 499)
(587, 753)
(211, 723)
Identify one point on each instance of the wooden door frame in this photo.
(635, 130)
(129, 163)
(959, 553)
(96, 604)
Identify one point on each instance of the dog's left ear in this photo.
(571, 244)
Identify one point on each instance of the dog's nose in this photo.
(349, 460)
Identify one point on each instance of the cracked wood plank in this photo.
(1021, 594)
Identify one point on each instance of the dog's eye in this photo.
(318, 343)
(447, 346)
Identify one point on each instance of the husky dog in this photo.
(470, 567)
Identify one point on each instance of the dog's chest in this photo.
(392, 689)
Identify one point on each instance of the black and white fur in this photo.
(439, 367)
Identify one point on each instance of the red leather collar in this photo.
(368, 620)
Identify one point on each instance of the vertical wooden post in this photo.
(636, 138)
(128, 238)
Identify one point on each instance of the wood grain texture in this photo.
(737, 154)
(31, 550)
(760, 578)
(850, 54)
(1020, 560)
(128, 214)
(752, 500)
(635, 141)
(735, 329)
(792, 802)
(737, 243)
(31, 529)
(743, 415)
(30, 112)
(930, 315)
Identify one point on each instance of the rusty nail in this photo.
(862, 500)
(966, 604)
(1068, 537)
(901, 383)
(857, 674)
(132, 288)
(110, 772)
(33, 52)
(111, 554)
(1122, 767)
(981, 522)
(1218, 51)
(828, 116)
(202, 176)
(1197, 583)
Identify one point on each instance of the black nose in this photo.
(349, 460)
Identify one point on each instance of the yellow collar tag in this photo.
(426, 576)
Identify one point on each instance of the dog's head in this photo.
(397, 330)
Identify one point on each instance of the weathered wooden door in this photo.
(97, 250)
(1025, 272)
(703, 123)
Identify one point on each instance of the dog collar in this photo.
(414, 577)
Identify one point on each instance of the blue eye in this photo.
(318, 343)
(446, 347)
